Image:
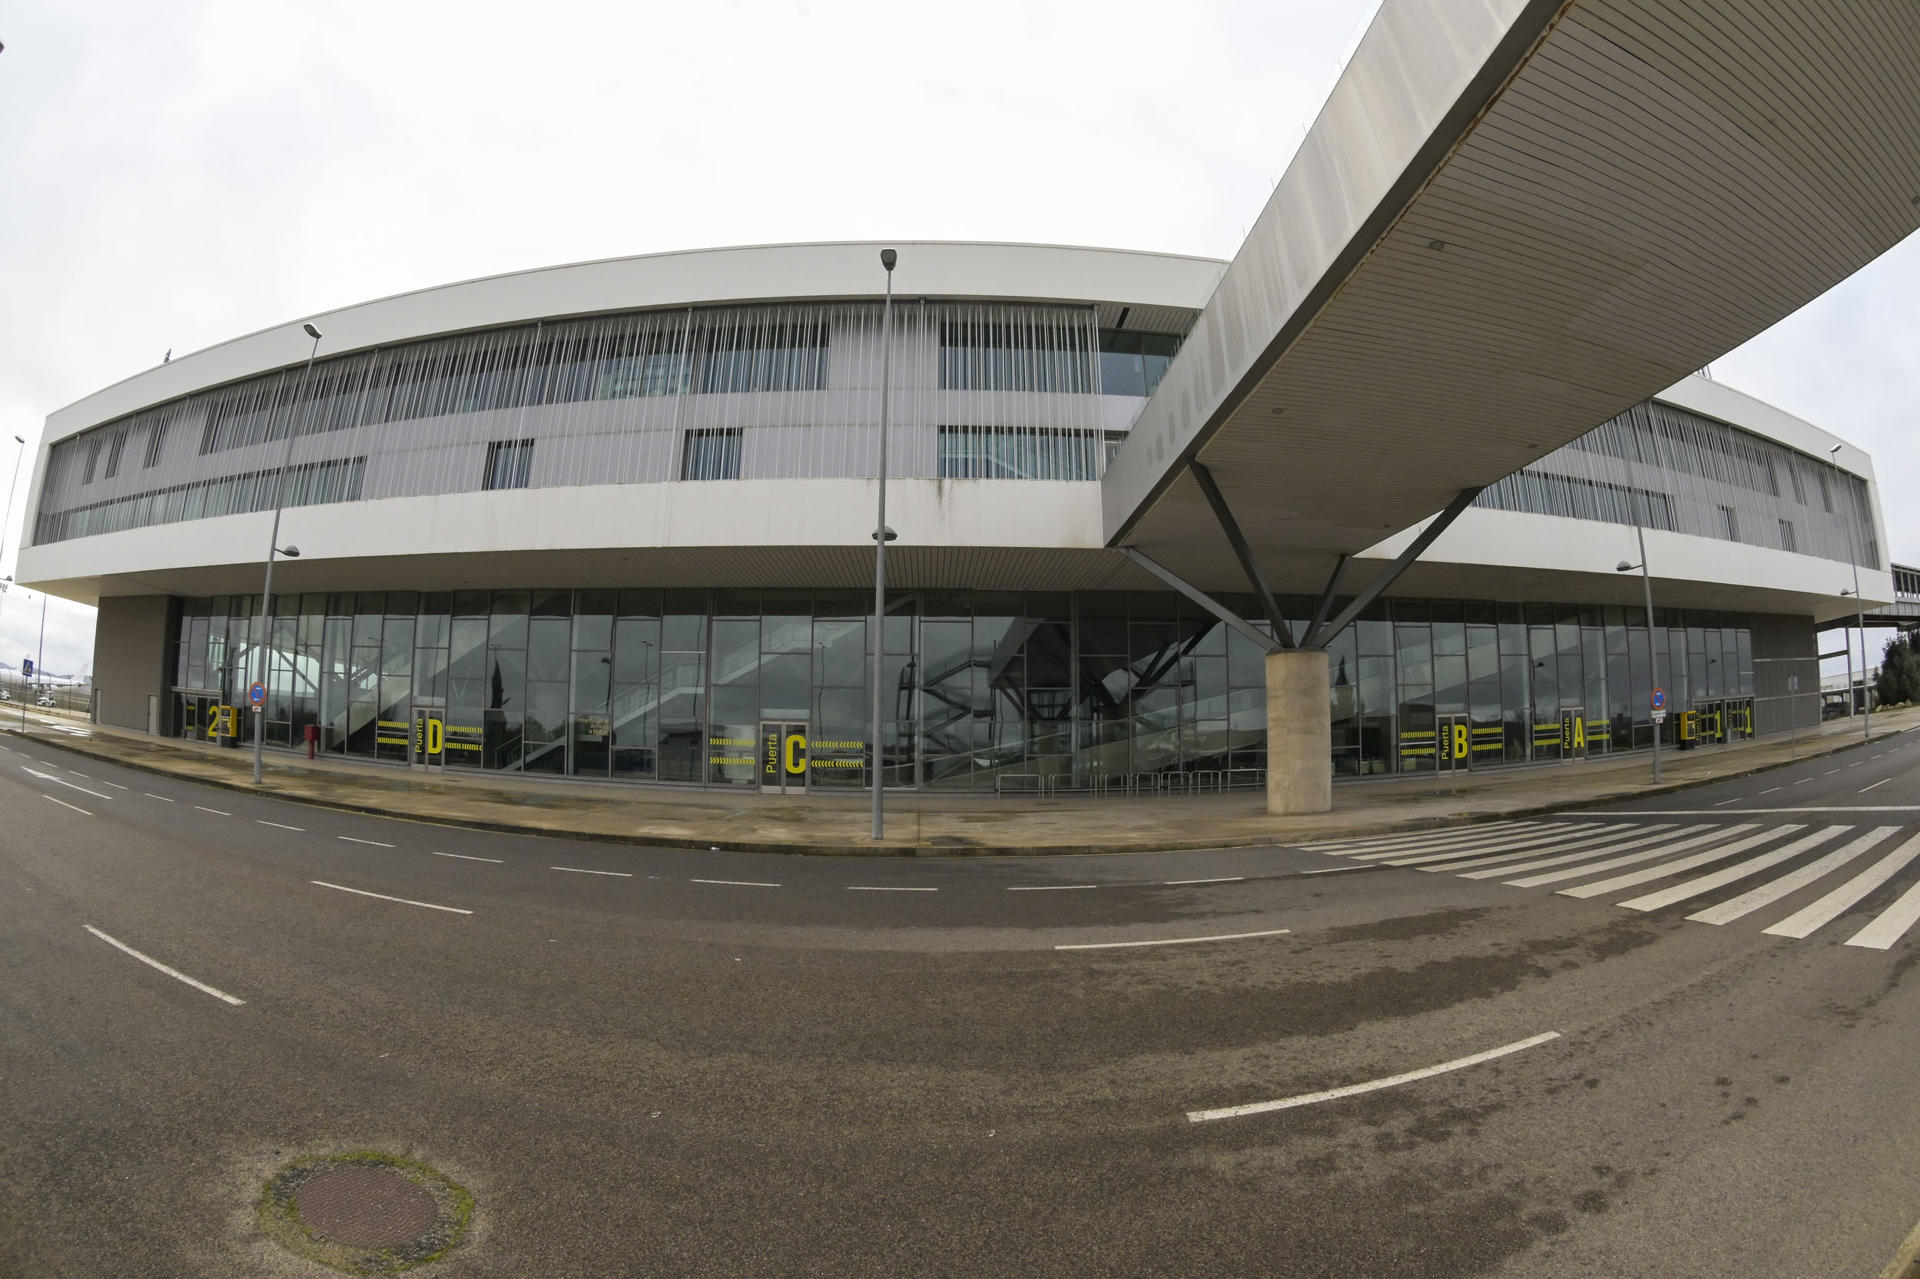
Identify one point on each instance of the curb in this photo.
(930, 848)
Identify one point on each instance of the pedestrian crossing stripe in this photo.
(1617, 858)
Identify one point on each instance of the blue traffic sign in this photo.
(1659, 699)
(257, 693)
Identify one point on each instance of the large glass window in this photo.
(1133, 363)
(1018, 453)
(509, 464)
(711, 455)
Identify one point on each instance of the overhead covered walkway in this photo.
(1512, 221)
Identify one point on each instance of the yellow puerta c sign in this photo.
(796, 754)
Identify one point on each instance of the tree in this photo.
(1899, 674)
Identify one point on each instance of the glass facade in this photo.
(984, 690)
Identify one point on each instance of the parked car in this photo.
(45, 699)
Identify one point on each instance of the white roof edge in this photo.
(1748, 412)
(681, 277)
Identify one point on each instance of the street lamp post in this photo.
(1653, 658)
(881, 536)
(262, 640)
(6, 523)
(1859, 610)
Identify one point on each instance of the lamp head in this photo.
(1834, 451)
(887, 258)
(1624, 567)
(291, 552)
(311, 331)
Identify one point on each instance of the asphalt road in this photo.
(693, 1062)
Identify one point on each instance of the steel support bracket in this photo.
(1204, 600)
(1388, 576)
(1242, 552)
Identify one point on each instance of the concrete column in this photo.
(1299, 733)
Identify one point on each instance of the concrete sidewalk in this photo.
(931, 824)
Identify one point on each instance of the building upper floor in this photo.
(673, 374)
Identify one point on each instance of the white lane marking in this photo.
(1484, 830)
(1856, 763)
(1830, 772)
(104, 782)
(1579, 850)
(151, 962)
(1633, 879)
(162, 798)
(877, 888)
(1824, 911)
(1047, 888)
(1771, 789)
(404, 901)
(64, 804)
(374, 842)
(77, 773)
(1218, 879)
(1739, 870)
(215, 811)
(1472, 848)
(1892, 923)
(580, 870)
(1803, 781)
(60, 781)
(1663, 848)
(1773, 890)
(1173, 941)
(1736, 799)
(736, 883)
(1337, 870)
(1770, 812)
(1566, 840)
(1882, 782)
(1438, 838)
(278, 825)
(1391, 1081)
(468, 857)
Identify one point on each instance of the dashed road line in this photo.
(1882, 782)
(64, 804)
(151, 962)
(1771, 789)
(735, 883)
(1173, 941)
(1374, 1085)
(404, 901)
(1218, 879)
(162, 798)
(885, 888)
(373, 842)
(1047, 888)
(278, 825)
(215, 811)
(61, 781)
(1736, 799)
(581, 870)
(468, 857)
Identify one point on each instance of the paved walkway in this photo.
(932, 824)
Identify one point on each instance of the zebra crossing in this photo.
(1648, 867)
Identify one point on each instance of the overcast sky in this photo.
(181, 174)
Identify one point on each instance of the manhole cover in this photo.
(364, 1207)
(365, 1213)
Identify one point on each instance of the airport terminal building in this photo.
(614, 521)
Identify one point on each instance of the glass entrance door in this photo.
(429, 749)
(1453, 743)
(783, 757)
